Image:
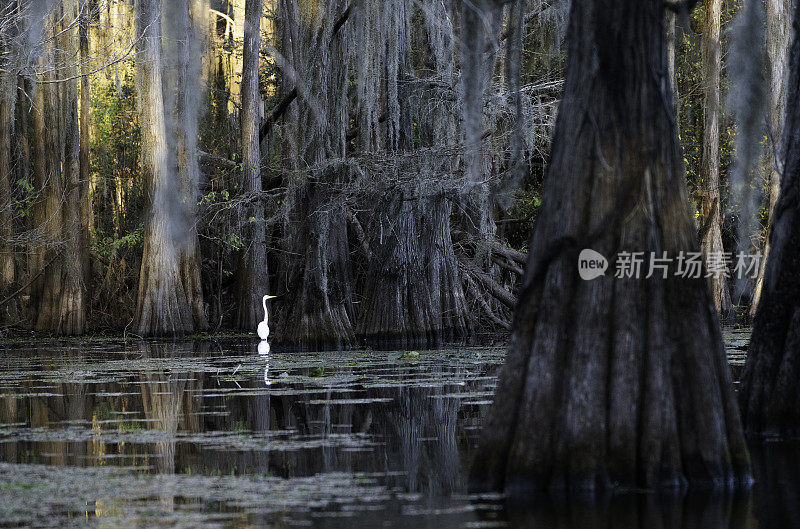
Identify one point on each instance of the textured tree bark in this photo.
(8, 92)
(321, 312)
(778, 39)
(185, 68)
(413, 293)
(62, 300)
(85, 193)
(42, 167)
(162, 304)
(316, 269)
(672, 48)
(614, 382)
(770, 389)
(252, 281)
(709, 171)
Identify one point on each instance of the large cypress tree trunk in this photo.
(253, 277)
(771, 380)
(613, 381)
(162, 304)
(73, 300)
(778, 37)
(47, 207)
(41, 166)
(413, 295)
(8, 100)
(62, 300)
(317, 267)
(711, 207)
(185, 67)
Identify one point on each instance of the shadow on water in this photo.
(215, 434)
(646, 511)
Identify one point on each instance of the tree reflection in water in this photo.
(203, 409)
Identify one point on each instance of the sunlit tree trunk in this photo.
(672, 48)
(162, 304)
(41, 166)
(778, 37)
(61, 307)
(72, 310)
(253, 276)
(87, 213)
(613, 382)
(711, 208)
(769, 393)
(185, 64)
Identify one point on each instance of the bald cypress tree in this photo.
(169, 301)
(770, 392)
(614, 381)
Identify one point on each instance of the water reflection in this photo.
(695, 511)
(237, 409)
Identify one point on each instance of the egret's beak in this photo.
(271, 297)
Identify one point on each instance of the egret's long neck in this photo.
(264, 302)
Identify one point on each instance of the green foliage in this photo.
(115, 151)
(107, 246)
(24, 208)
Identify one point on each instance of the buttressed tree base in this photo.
(613, 382)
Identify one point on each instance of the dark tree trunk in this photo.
(613, 382)
(316, 270)
(320, 313)
(8, 92)
(413, 294)
(770, 390)
(253, 277)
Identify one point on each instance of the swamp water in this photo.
(212, 434)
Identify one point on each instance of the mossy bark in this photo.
(317, 311)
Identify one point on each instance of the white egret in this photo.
(263, 348)
(263, 328)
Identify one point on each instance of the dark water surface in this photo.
(212, 434)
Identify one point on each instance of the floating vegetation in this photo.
(190, 435)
